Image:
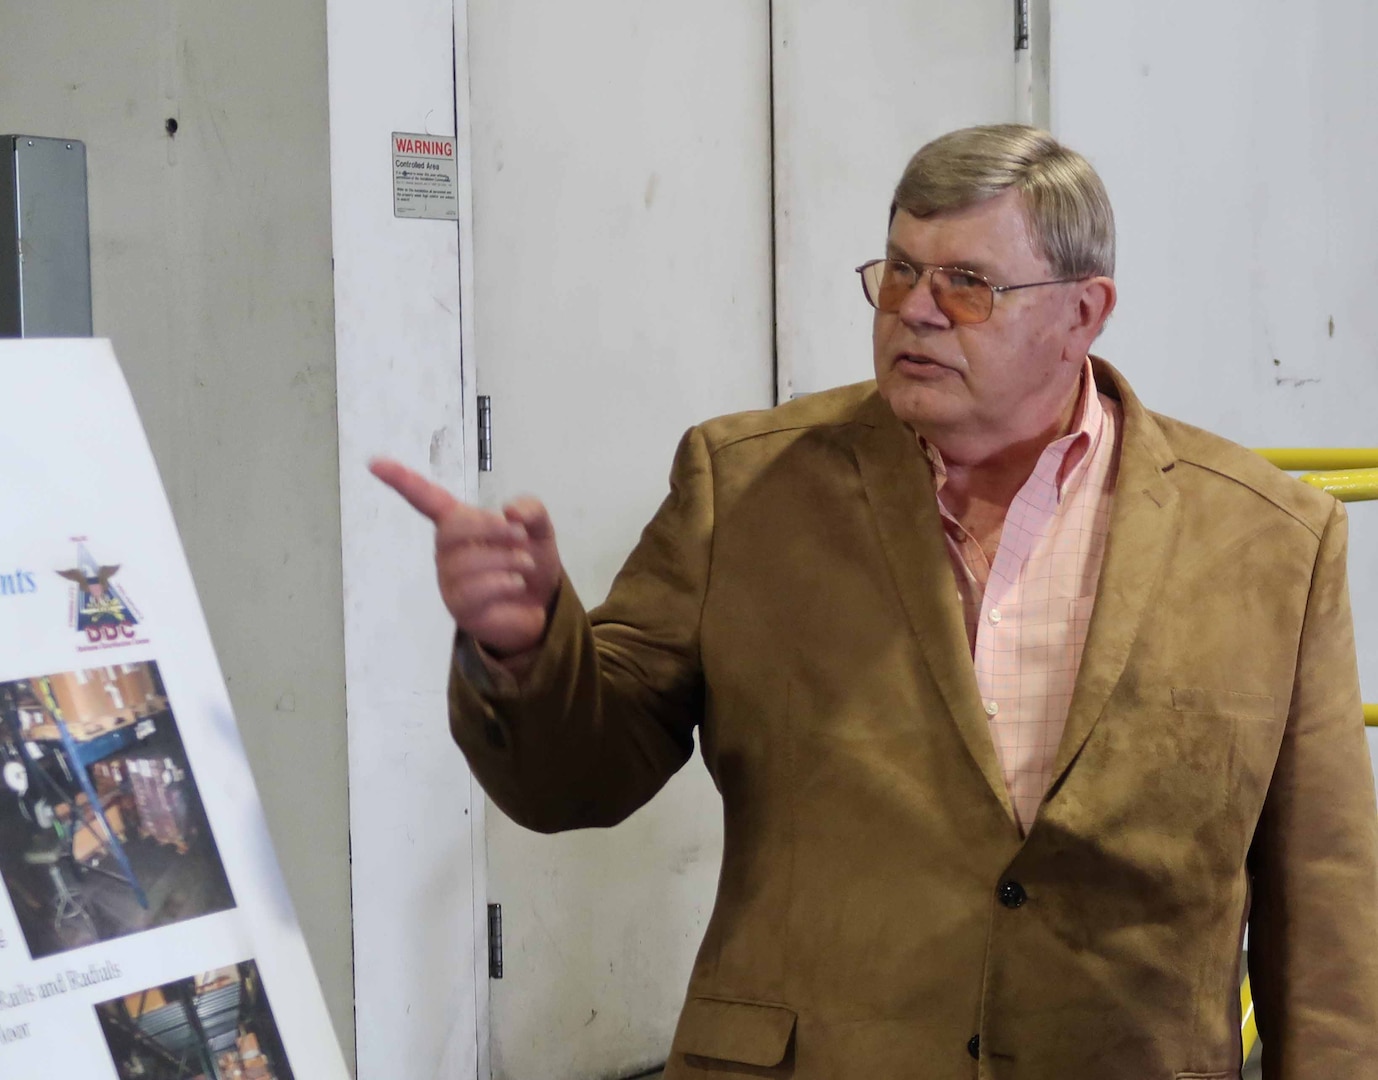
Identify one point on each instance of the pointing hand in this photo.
(498, 573)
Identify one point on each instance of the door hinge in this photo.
(485, 435)
(1021, 25)
(494, 940)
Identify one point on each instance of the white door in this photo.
(858, 89)
(638, 208)
(1236, 141)
(622, 293)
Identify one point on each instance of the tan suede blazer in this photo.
(878, 915)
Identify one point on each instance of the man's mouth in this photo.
(919, 360)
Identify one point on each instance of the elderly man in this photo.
(1022, 700)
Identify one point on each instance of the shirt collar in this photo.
(1072, 450)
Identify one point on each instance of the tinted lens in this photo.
(887, 284)
(963, 298)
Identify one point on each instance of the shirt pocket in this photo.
(1046, 621)
(1033, 649)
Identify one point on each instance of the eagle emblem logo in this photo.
(102, 609)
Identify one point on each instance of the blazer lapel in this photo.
(1143, 522)
(899, 488)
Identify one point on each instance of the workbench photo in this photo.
(102, 830)
(217, 1024)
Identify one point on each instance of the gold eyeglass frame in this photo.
(923, 268)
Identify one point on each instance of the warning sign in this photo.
(425, 177)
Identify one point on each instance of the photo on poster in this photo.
(102, 830)
(215, 1026)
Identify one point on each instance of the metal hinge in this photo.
(494, 936)
(1021, 25)
(485, 441)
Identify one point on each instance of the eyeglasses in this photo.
(964, 296)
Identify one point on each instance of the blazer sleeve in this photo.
(1313, 936)
(605, 715)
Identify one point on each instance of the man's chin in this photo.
(922, 408)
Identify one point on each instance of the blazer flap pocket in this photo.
(740, 1031)
(1222, 702)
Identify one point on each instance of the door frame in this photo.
(404, 378)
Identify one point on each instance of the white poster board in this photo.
(144, 924)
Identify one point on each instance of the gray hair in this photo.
(1069, 212)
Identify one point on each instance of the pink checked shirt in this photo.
(1028, 613)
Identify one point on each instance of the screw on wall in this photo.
(171, 125)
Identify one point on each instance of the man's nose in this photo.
(918, 308)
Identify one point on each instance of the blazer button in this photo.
(1012, 895)
(974, 1047)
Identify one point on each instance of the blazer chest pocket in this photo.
(1186, 699)
(743, 1032)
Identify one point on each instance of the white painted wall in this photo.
(1237, 143)
(419, 979)
(623, 292)
(210, 260)
(858, 89)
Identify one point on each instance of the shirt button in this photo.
(992, 708)
(1012, 895)
(974, 1047)
(994, 616)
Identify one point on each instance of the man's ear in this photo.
(1094, 304)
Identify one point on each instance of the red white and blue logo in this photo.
(100, 608)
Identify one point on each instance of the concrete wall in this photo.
(211, 272)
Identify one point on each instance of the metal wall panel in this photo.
(10, 321)
(45, 240)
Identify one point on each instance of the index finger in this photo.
(430, 499)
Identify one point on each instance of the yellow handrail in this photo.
(1350, 473)
(1249, 1025)
(1348, 485)
(1298, 459)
